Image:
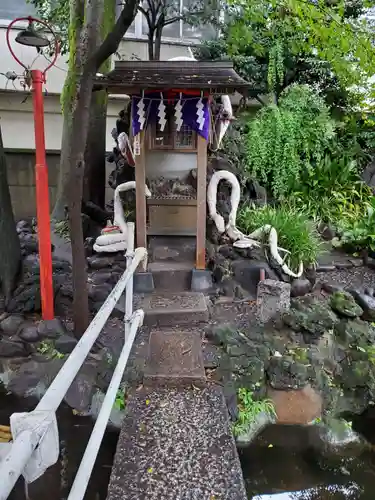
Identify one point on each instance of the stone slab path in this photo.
(176, 444)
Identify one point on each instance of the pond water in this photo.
(74, 433)
(291, 470)
(277, 466)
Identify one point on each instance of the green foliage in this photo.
(332, 191)
(275, 65)
(119, 401)
(294, 231)
(57, 14)
(284, 140)
(249, 409)
(47, 348)
(359, 233)
(326, 31)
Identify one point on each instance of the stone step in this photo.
(171, 276)
(166, 308)
(172, 249)
(175, 359)
(176, 444)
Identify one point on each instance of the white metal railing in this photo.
(35, 444)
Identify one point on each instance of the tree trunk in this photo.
(150, 38)
(159, 32)
(10, 250)
(95, 174)
(84, 62)
(59, 210)
(68, 96)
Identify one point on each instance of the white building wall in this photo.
(16, 115)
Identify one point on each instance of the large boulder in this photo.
(295, 407)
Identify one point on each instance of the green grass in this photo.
(248, 410)
(294, 230)
(48, 349)
(120, 400)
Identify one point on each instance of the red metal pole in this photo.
(42, 198)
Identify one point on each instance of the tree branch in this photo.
(173, 20)
(113, 39)
(146, 14)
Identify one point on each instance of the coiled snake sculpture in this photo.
(239, 239)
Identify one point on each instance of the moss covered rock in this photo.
(344, 304)
(312, 317)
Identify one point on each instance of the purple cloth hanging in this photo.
(189, 114)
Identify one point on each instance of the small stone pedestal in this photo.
(273, 297)
(201, 280)
(143, 282)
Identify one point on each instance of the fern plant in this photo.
(249, 409)
(287, 138)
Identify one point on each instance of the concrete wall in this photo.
(21, 178)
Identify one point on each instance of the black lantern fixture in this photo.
(31, 38)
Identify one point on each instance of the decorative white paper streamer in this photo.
(178, 115)
(161, 114)
(200, 113)
(141, 113)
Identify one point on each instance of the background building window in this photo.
(10, 9)
(181, 29)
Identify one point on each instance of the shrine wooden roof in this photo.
(131, 77)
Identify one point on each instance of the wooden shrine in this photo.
(172, 126)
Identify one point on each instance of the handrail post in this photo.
(32, 435)
(129, 286)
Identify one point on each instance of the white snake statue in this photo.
(113, 237)
(241, 240)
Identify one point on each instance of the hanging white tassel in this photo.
(162, 114)
(200, 114)
(178, 114)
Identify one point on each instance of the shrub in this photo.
(286, 139)
(359, 233)
(295, 232)
(331, 192)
